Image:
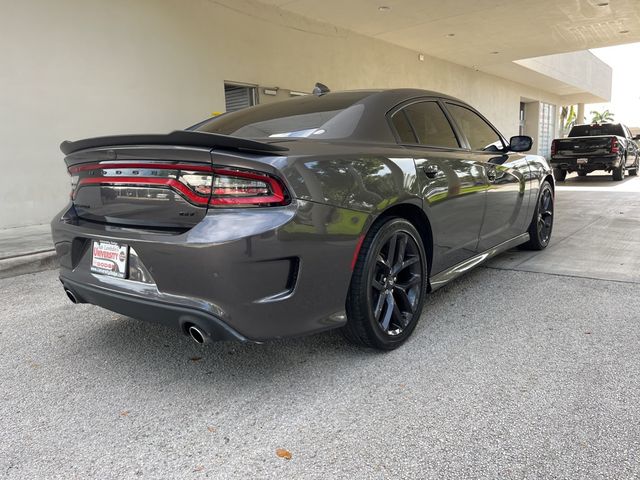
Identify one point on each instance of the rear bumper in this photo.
(244, 274)
(170, 315)
(606, 162)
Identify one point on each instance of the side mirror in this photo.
(520, 143)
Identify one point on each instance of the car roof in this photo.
(393, 96)
(373, 126)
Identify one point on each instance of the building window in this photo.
(238, 96)
(547, 128)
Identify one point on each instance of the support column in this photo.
(532, 124)
(580, 115)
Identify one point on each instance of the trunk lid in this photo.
(141, 186)
(151, 181)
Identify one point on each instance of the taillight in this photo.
(74, 185)
(614, 145)
(235, 187)
(196, 181)
(554, 147)
(200, 184)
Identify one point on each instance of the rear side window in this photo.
(404, 130)
(480, 135)
(428, 122)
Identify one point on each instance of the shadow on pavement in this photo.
(166, 352)
(600, 181)
(146, 349)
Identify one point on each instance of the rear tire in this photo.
(542, 223)
(559, 174)
(634, 171)
(619, 171)
(388, 286)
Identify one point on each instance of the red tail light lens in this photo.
(554, 147)
(614, 145)
(199, 184)
(235, 187)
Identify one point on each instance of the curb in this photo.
(30, 263)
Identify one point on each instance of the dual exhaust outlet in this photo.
(71, 296)
(196, 334)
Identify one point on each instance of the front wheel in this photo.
(388, 286)
(542, 222)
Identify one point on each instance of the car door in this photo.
(507, 175)
(453, 185)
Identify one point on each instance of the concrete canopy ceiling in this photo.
(481, 33)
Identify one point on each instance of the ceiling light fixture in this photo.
(494, 53)
(602, 4)
(624, 31)
(384, 8)
(450, 35)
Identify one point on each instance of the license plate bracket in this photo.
(109, 258)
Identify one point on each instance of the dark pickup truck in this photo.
(607, 146)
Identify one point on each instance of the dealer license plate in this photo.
(582, 160)
(109, 258)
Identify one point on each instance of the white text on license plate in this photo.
(582, 160)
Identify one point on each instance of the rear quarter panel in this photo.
(539, 171)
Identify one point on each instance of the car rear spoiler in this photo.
(177, 138)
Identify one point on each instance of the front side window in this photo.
(428, 122)
(480, 135)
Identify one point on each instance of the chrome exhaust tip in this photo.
(197, 335)
(71, 295)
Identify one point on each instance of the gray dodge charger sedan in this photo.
(333, 210)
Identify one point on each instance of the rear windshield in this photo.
(334, 115)
(595, 130)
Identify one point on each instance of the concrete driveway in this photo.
(525, 368)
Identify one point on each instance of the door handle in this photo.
(431, 170)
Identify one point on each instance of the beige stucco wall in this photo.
(77, 68)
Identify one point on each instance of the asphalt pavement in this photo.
(525, 368)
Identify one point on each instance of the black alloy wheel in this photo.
(396, 283)
(388, 286)
(542, 223)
